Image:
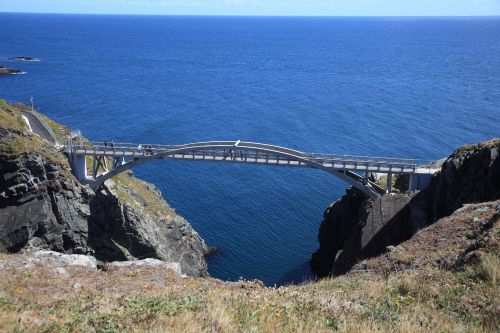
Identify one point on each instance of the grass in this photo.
(134, 192)
(399, 182)
(154, 300)
(22, 142)
(59, 130)
(11, 118)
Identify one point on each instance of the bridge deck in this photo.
(252, 153)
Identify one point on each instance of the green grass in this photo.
(10, 117)
(21, 142)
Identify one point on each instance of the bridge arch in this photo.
(127, 156)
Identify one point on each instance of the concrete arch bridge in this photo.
(111, 158)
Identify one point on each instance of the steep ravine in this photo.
(43, 206)
(355, 227)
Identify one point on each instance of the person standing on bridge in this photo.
(113, 146)
(139, 148)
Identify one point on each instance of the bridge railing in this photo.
(248, 150)
(375, 159)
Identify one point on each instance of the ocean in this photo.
(399, 87)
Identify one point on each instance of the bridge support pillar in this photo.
(389, 182)
(80, 167)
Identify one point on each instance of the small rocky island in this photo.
(9, 71)
(24, 58)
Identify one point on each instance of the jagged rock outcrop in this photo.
(470, 175)
(356, 227)
(145, 229)
(39, 207)
(43, 206)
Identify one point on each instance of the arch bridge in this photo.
(110, 158)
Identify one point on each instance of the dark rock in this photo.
(24, 58)
(470, 175)
(41, 208)
(4, 135)
(355, 227)
(9, 71)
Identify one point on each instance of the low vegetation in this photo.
(147, 299)
(140, 195)
(459, 295)
(16, 139)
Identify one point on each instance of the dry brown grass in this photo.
(154, 300)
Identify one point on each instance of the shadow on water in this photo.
(297, 275)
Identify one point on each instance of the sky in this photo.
(260, 7)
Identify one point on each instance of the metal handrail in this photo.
(107, 146)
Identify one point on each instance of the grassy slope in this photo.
(464, 298)
(21, 140)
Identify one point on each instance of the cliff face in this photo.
(470, 175)
(356, 227)
(38, 206)
(43, 206)
(140, 221)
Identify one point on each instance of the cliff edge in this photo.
(356, 227)
(43, 206)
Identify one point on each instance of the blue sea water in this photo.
(403, 87)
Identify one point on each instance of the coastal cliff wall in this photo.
(43, 206)
(356, 227)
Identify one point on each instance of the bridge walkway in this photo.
(347, 168)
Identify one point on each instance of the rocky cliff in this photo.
(356, 227)
(43, 206)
